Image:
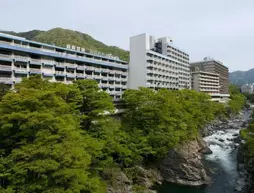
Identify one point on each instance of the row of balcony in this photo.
(162, 67)
(209, 76)
(24, 70)
(62, 53)
(160, 73)
(59, 64)
(166, 68)
(208, 80)
(152, 85)
(209, 83)
(209, 86)
(102, 85)
(209, 90)
(170, 61)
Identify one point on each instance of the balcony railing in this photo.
(34, 70)
(105, 85)
(96, 76)
(5, 67)
(70, 65)
(70, 74)
(24, 70)
(81, 67)
(51, 62)
(90, 68)
(5, 42)
(97, 69)
(105, 70)
(5, 79)
(89, 76)
(60, 64)
(80, 74)
(5, 56)
(23, 58)
(104, 78)
(60, 73)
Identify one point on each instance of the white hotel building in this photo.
(157, 63)
(20, 58)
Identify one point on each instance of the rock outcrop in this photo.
(120, 184)
(184, 166)
(143, 178)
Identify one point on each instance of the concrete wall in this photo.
(137, 67)
(195, 82)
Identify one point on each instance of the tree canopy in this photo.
(62, 138)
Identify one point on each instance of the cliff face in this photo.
(184, 166)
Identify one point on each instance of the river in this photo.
(222, 163)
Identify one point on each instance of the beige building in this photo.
(213, 66)
(205, 82)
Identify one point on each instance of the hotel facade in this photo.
(157, 63)
(21, 58)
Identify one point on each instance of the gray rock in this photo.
(183, 165)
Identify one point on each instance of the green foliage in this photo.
(43, 148)
(62, 37)
(237, 101)
(60, 138)
(4, 89)
(248, 146)
(249, 97)
(161, 120)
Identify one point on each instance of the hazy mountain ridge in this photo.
(242, 77)
(62, 37)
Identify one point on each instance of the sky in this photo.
(221, 29)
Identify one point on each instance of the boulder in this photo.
(120, 184)
(184, 166)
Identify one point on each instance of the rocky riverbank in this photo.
(183, 165)
(245, 167)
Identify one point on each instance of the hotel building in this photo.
(157, 63)
(216, 67)
(20, 58)
(205, 82)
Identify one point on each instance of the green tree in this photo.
(94, 103)
(157, 121)
(42, 147)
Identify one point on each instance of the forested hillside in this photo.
(62, 37)
(242, 77)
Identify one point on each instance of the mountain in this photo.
(62, 37)
(242, 77)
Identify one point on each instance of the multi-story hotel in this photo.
(205, 82)
(157, 63)
(216, 67)
(20, 58)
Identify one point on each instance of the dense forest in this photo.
(61, 138)
(62, 37)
